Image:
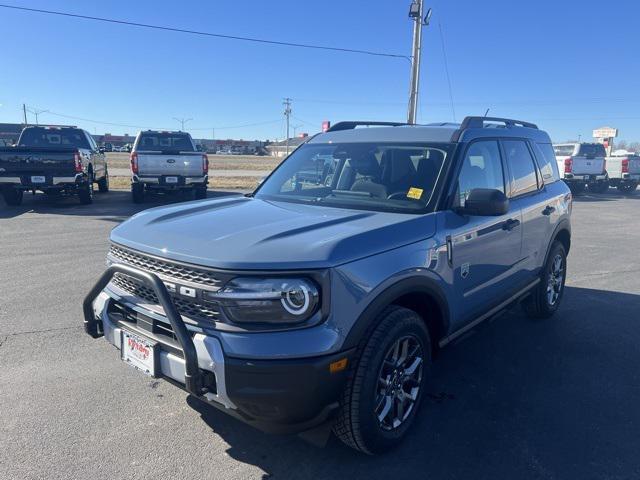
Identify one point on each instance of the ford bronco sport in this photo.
(320, 299)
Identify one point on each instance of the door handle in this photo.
(510, 224)
(548, 210)
(449, 251)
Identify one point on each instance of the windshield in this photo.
(387, 177)
(53, 137)
(163, 141)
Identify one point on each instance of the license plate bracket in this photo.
(171, 179)
(140, 352)
(38, 179)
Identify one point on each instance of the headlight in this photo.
(267, 300)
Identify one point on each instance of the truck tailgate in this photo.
(185, 164)
(36, 161)
(587, 166)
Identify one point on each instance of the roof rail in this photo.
(478, 122)
(351, 125)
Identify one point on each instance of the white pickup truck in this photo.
(582, 165)
(624, 171)
(167, 161)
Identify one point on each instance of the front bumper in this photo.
(279, 396)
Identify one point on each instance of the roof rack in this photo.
(351, 125)
(479, 122)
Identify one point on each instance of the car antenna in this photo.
(487, 112)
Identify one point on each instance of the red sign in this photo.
(326, 125)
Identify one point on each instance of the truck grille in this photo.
(167, 269)
(188, 308)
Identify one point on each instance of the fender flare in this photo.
(367, 319)
(564, 225)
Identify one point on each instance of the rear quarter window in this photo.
(547, 162)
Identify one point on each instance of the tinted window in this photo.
(482, 168)
(523, 170)
(547, 162)
(161, 141)
(386, 176)
(564, 150)
(592, 150)
(53, 137)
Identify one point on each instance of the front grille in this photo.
(168, 269)
(187, 307)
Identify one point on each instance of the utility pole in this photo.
(287, 113)
(416, 14)
(24, 111)
(182, 122)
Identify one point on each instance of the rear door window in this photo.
(165, 141)
(592, 150)
(523, 170)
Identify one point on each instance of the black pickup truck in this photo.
(53, 160)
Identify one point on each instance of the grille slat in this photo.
(162, 267)
(189, 308)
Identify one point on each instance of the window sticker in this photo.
(415, 193)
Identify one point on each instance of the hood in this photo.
(253, 234)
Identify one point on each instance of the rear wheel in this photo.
(103, 183)
(546, 297)
(628, 187)
(137, 192)
(85, 193)
(577, 188)
(12, 196)
(201, 192)
(601, 187)
(383, 394)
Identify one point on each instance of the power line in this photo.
(209, 34)
(446, 69)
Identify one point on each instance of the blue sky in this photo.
(544, 61)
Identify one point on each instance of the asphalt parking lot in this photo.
(513, 399)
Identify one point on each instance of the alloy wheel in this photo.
(555, 280)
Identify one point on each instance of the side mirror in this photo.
(486, 202)
(101, 149)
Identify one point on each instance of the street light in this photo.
(36, 112)
(182, 122)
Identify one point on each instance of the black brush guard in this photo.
(193, 376)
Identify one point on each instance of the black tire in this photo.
(201, 192)
(85, 193)
(103, 183)
(137, 192)
(366, 397)
(628, 187)
(601, 187)
(12, 196)
(577, 188)
(546, 297)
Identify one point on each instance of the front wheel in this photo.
(12, 196)
(546, 297)
(628, 187)
(103, 183)
(382, 397)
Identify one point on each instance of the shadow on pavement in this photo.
(610, 195)
(114, 206)
(516, 398)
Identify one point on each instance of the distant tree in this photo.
(634, 146)
(620, 145)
